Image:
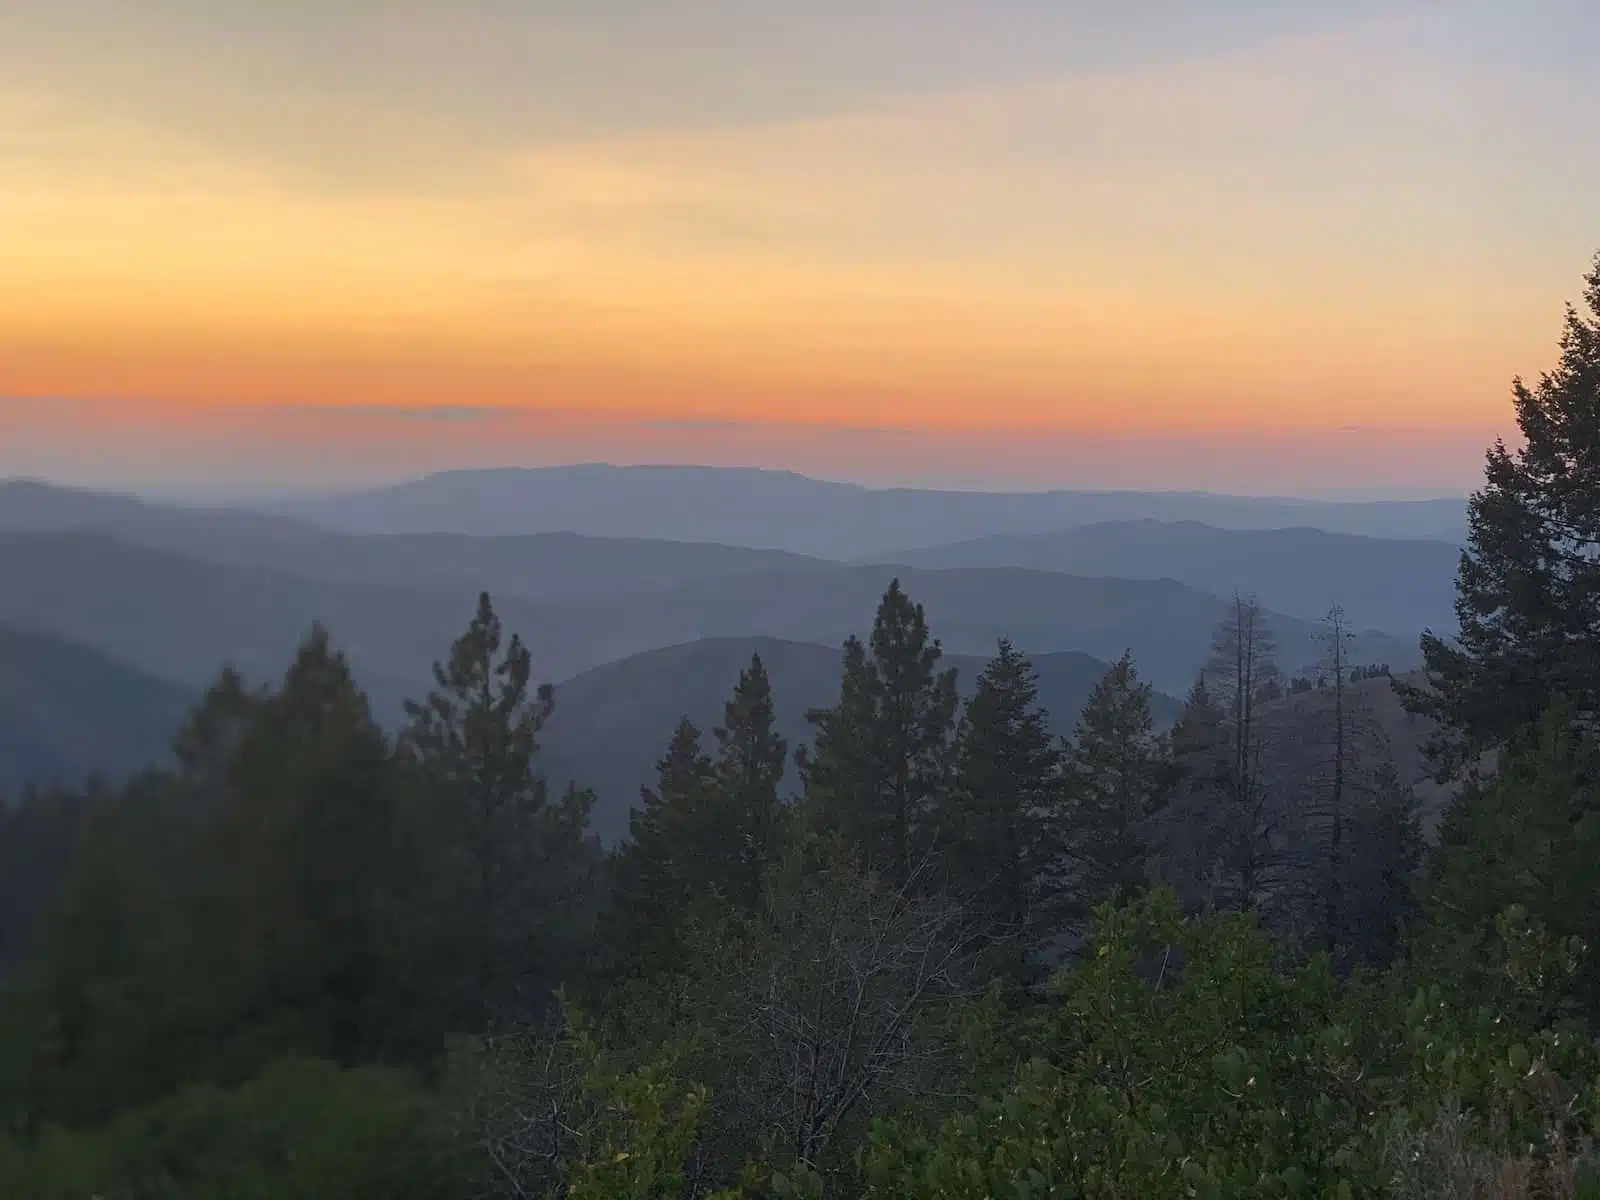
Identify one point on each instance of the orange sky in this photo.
(1282, 229)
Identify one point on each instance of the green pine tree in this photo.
(1528, 589)
(1118, 775)
(750, 764)
(237, 910)
(308, 868)
(996, 826)
(882, 754)
(515, 866)
(1526, 842)
(658, 872)
(1378, 902)
(1187, 840)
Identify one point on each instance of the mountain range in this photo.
(181, 617)
(1398, 584)
(638, 630)
(784, 511)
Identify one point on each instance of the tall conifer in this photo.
(515, 864)
(882, 753)
(1528, 587)
(997, 824)
(1118, 775)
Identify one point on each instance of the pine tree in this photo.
(882, 753)
(1118, 776)
(307, 867)
(1377, 891)
(750, 764)
(1523, 843)
(658, 871)
(996, 826)
(1188, 837)
(517, 864)
(1528, 588)
(839, 771)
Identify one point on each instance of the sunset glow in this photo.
(1281, 228)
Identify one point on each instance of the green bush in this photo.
(302, 1129)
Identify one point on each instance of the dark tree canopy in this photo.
(998, 828)
(749, 768)
(512, 861)
(882, 754)
(1528, 590)
(1118, 776)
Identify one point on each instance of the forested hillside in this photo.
(318, 956)
(610, 724)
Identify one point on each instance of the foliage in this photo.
(749, 768)
(233, 912)
(1118, 777)
(510, 859)
(217, 967)
(1182, 1059)
(1528, 589)
(998, 827)
(882, 754)
(302, 1128)
(659, 870)
(1524, 843)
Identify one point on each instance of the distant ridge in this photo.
(68, 711)
(553, 565)
(1401, 585)
(182, 616)
(783, 510)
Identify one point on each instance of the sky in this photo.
(1249, 245)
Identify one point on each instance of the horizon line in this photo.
(212, 495)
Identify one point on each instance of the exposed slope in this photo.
(1383, 583)
(612, 723)
(68, 711)
(781, 510)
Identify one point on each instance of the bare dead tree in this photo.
(1351, 795)
(831, 1003)
(1335, 666)
(518, 1105)
(838, 1007)
(1242, 674)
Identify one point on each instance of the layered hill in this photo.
(1399, 584)
(785, 511)
(181, 617)
(550, 566)
(68, 711)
